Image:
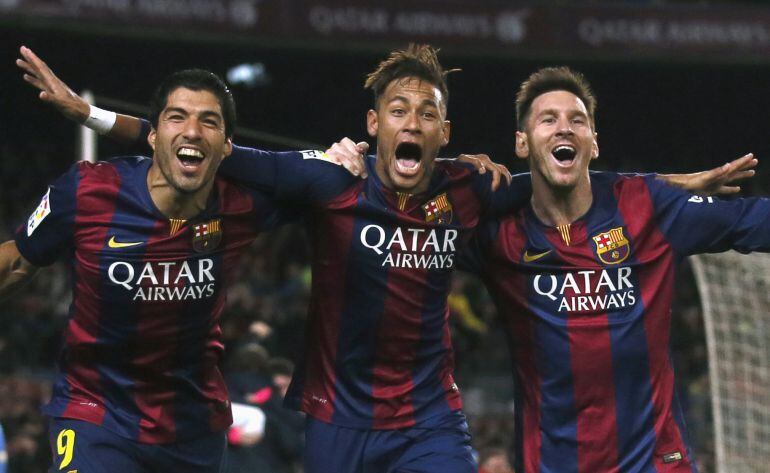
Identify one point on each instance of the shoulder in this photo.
(455, 170)
(113, 167)
(621, 182)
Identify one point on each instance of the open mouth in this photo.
(190, 157)
(408, 156)
(564, 153)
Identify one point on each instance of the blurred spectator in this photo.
(494, 460)
(260, 383)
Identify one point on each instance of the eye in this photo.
(548, 120)
(398, 112)
(429, 115)
(579, 120)
(175, 117)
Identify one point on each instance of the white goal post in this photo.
(735, 294)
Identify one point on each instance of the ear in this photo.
(447, 129)
(522, 145)
(371, 123)
(228, 147)
(151, 138)
(595, 147)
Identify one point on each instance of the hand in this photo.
(482, 163)
(715, 181)
(350, 155)
(52, 89)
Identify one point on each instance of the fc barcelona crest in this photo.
(612, 247)
(206, 236)
(438, 210)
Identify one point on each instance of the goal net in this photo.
(735, 293)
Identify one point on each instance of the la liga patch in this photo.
(41, 212)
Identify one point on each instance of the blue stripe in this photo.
(366, 283)
(558, 452)
(131, 222)
(558, 421)
(429, 397)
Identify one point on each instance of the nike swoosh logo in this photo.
(528, 258)
(117, 244)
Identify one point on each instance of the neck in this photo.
(560, 205)
(172, 202)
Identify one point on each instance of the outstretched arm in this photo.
(15, 271)
(720, 180)
(55, 92)
(129, 129)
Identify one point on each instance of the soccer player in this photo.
(152, 244)
(583, 281)
(376, 375)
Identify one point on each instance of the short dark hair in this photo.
(549, 79)
(194, 79)
(417, 60)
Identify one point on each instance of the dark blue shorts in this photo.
(439, 445)
(84, 447)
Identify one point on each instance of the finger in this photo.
(495, 178)
(727, 190)
(351, 169)
(472, 160)
(354, 155)
(746, 161)
(363, 148)
(42, 70)
(507, 174)
(35, 82)
(748, 164)
(24, 65)
(740, 175)
(347, 143)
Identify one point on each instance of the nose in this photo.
(565, 128)
(412, 123)
(192, 129)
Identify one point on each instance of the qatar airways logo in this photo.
(412, 247)
(165, 281)
(588, 290)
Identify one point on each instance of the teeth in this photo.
(190, 153)
(563, 147)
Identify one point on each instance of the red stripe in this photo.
(468, 208)
(657, 283)
(95, 204)
(511, 297)
(446, 373)
(591, 362)
(329, 293)
(154, 395)
(398, 338)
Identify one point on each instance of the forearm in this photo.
(127, 129)
(15, 271)
(122, 128)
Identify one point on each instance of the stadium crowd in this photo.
(263, 331)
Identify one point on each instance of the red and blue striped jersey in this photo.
(587, 308)
(142, 344)
(378, 353)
